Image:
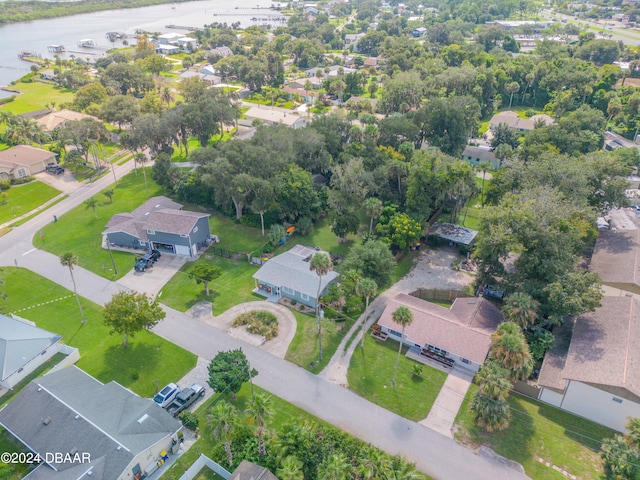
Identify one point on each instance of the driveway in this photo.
(66, 183)
(153, 279)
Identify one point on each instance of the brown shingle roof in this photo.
(465, 329)
(180, 222)
(54, 120)
(604, 349)
(251, 471)
(616, 256)
(24, 155)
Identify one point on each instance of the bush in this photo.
(134, 374)
(5, 185)
(20, 181)
(189, 420)
(259, 322)
(304, 226)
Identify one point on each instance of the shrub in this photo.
(134, 374)
(305, 226)
(189, 420)
(5, 184)
(259, 322)
(20, 181)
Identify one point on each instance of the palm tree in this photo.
(69, 259)
(109, 194)
(484, 166)
(222, 423)
(366, 288)
(493, 381)
(398, 469)
(321, 264)
(335, 467)
(259, 409)
(521, 308)
(373, 208)
(141, 158)
(373, 464)
(512, 88)
(291, 469)
(403, 317)
(510, 350)
(490, 414)
(166, 96)
(92, 202)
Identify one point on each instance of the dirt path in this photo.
(431, 269)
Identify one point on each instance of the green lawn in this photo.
(35, 95)
(234, 286)
(538, 430)
(54, 308)
(80, 232)
(470, 215)
(323, 237)
(371, 371)
(21, 199)
(305, 347)
(12, 471)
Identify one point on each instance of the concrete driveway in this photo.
(153, 279)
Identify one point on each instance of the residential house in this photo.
(100, 431)
(315, 82)
(591, 370)
(167, 49)
(58, 119)
(616, 256)
(220, 52)
(23, 348)
(419, 32)
(351, 41)
(288, 275)
(514, 122)
(613, 140)
(476, 155)
(332, 71)
(308, 96)
(160, 223)
(276, 116)
(24, 160)
(371, 62)
(456, 336)
(49, 74)
(507, 25)
(251, 471)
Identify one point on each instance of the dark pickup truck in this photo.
(147, 260)
(185, 398)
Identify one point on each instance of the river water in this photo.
(37, 35)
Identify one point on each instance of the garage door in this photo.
(183, 250)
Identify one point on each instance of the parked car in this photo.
(185, 398)
(165, 396)
(54, 169)
(147, 260)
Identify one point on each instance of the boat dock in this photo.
(89, 43)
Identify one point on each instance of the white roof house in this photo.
(277, 116)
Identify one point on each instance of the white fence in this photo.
(199, 464)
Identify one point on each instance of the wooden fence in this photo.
(440, 294)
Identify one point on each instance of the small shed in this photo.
(454, 234)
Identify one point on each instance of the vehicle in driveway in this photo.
(54, 169)
(165, 396)
(147, 260)
(185, 398)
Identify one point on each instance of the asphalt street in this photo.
(433, 453)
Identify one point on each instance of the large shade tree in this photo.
(127, 313)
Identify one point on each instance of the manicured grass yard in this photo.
(370, 374)
(305, 347)
(22, 199)
(35, 95)
(470, 215)
(11, 471)
(80, 232)
(156, 360)
(540, 430)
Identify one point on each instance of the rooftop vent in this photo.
(39, 389)
(73, 451)
(143, 418)
(77, 417)
(46, 421)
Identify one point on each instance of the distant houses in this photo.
(24, 160)
(476, 155)
(512, 120)
(275, 116)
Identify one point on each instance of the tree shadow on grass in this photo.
(122, 363)
(515, 442)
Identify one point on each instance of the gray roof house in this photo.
(476, 155)
(23, 348)
(251, 471)
(105, 431)
(452, 233)
(459, 335)
(514, 122)
(288, 275)
(593, 369)
(160, 223)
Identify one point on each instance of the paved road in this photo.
(433, 453)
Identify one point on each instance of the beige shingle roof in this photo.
(24, 155)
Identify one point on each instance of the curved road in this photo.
(433, 453)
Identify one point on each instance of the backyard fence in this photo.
(225, 253)
(204, 462)
(439, 294)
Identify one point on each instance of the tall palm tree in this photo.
(259, 409)
(291, 469)
(335, 467)
(403, 317)
(321, 264)
(510, 350)
(70, 260)
(373, 464)
(521, 308)
(373, 208)
(484, 166)
(489, 413)
(166, 96)
(366, 288)
(92, 202)
(398, 469)
(493, 381)
(141, 158)
(222, 424)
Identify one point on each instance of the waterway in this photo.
(37, 35)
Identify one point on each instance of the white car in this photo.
(165, 396)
